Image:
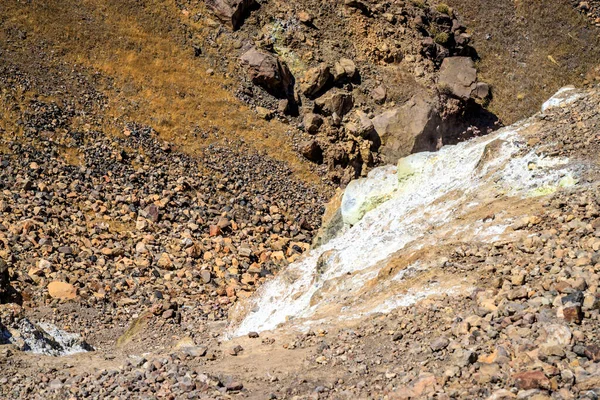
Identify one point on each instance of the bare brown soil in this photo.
(529, 49)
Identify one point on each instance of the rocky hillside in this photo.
(528, 50)
(367, 82)
(512, 315)
(391, 69)
(165, 169)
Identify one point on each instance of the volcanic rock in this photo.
(312, 151)
(315, 80)
(312, 123)
(62, 290)
(335, 103)
(230, 12)
(531, 380)
(379, 94)
(268, 72)
(409, 128)
(344, 69)
(458, 76)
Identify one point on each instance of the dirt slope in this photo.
(134, 174)
(526, 328)
(123, 61)
(529, 50)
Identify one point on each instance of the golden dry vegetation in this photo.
(149, 72)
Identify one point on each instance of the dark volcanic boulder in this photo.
(268, 72)
(230, 12)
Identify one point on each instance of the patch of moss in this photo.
(443, 8)
(442, 38)
(419, 3)
(137, 326)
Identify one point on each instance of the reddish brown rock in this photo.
(165, 261)
(305, 18)
(315, 80)
(531, 380)
(312, 123)
(268, 72)
(336, 102)
(573, 314)
(230, 12)
(425, 384)
(312, 151)
(593, 352)
(589, 383)
(214, 230)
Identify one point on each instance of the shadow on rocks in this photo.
(7, 293)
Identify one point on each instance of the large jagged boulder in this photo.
(268, 72)
(409, 128)
(230, 12)
(458, 76)
(335, 102)
(314, 80)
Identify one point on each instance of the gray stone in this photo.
(458, 76)
(481, 91)
(439, 344)
(409, 128)
(379, 94)
(205, 275)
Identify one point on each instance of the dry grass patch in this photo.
(152, 76)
